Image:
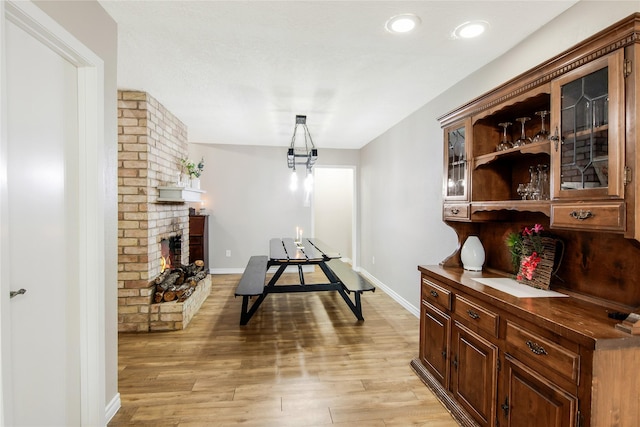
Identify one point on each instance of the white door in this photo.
(42, 131)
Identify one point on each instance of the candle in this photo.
(297, 233)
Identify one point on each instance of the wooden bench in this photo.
(252, 284)
(351, 280)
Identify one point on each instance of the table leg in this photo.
(276, 276)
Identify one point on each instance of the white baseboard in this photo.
(393, 294)
(226, 270)
(112, 407)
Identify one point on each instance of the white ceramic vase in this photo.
(472, 254)
(195, 183)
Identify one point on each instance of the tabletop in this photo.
(286, 250)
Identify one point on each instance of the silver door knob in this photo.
(16, 293)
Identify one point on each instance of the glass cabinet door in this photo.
(456, 146)
(587, 147)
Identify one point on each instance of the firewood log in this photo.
(182, 289)
(157, 297)
(193, 280)
(193, 268)
(180, 279)
(169, 281)
(169, 296)
(162, 276)
(186, 294)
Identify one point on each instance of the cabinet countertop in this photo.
(581, 321)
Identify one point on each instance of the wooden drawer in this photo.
(599, 216)
(531, 347)
(436, 294)
(455, 211)
(471, 313)
(196, 225)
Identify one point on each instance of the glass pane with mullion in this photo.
(584, 137)
(457, 160)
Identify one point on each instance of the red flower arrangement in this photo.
(534, 256)
(529, 265)
(525, 263)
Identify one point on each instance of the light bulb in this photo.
(308, 183)
(293, 183)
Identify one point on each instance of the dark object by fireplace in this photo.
(199, 239)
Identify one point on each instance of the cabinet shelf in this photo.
(543, 206)
(585, 132)
(543, 147)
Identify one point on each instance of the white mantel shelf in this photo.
(179, 195)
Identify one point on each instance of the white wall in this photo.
(400, 184)
(88, 22)
(249, 200)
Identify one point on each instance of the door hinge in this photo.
(627, 175)
(498, 365)
(578, 419)
(505, 407)
(627, 68)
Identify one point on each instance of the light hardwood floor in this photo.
(303, 360)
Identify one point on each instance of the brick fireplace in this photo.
(151, 142)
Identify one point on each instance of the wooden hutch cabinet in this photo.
(498, 360)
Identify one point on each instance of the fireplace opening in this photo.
(170, 251)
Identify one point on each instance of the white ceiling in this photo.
(238, 72)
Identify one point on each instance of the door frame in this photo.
(90, 313)
(354, 212)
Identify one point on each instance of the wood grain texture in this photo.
(302, 361)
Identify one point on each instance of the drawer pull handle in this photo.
(455, 211)
(536, 348)
(581, 215)
(473, 314)
(433, 293)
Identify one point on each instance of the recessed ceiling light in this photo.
(470, 29)
(402, 23)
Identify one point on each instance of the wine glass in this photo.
(543, 134)
(523, 140)
(505, 144)
(543, 181)
(522, 191)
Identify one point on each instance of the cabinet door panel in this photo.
(588, 155)
(434, 351)
(456, 167)
(474, 374)
(533, 401)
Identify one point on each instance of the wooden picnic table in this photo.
(286, 252)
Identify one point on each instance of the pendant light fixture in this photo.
(301, 154)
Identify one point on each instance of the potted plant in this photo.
(193, 171)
